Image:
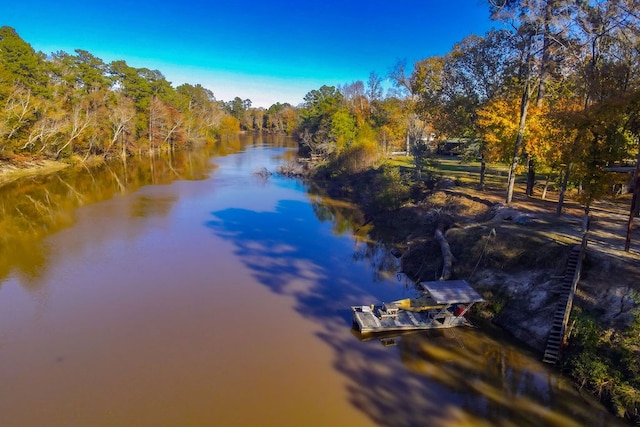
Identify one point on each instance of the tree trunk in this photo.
(563, 188)
(636, 177)
(585, 218)
(531, 176)
(635, 200)
(524, 107)
(546, 187)
(483, 168)
(447, 256)
(545, 73)
(407, 153)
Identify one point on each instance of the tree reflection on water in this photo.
(32, 208)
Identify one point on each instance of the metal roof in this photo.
(451, 291)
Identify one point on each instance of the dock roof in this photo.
(451, 291)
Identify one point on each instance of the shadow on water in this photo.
(450, 378)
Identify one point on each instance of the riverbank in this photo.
(516, 256)
(21, 168)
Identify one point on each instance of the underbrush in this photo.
(607, 362)
(377, 190)
(509, 248)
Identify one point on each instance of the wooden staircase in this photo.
(565, 302)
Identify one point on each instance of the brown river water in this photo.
(190, 291)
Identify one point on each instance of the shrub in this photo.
(390, 192)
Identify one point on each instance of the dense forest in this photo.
(73, 107)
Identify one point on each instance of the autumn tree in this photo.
(538, 25)
(406, 85)
(356, 100)
(19, 112)
(281, 118)
(475, 73)
(239, 108)
(389, 118)
(605, 81)
(121, 115)
(203, 114)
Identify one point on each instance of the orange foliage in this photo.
(498, 122)
(547, 138)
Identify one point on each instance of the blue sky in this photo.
(266, 51)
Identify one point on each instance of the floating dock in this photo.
(442, 305)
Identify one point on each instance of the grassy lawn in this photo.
(467, 173)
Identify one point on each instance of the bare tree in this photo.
(79, 121)
(120, 119)
(18, 111)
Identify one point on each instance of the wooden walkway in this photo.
(565, 302)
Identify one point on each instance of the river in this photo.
(191, 291)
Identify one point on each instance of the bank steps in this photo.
(565, 302)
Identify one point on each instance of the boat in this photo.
(442, 304)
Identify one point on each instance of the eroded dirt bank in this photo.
(516, 256)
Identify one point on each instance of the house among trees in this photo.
(453, 146)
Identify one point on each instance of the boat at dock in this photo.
(442, 304)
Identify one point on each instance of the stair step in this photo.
(564, 300)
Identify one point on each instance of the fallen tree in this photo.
(447, 257)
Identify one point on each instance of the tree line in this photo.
(66, 106)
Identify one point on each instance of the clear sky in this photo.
(264, 50)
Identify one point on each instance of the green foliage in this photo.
(606, 362)
(343, 129)
(21, 62)
(391, 192)
(321, 102)
(423, 159)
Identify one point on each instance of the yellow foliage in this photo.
(365, 134)
(498, 121)
(358, 156)
(546, 137)
(229, 125)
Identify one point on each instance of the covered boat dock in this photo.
(442, 305)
